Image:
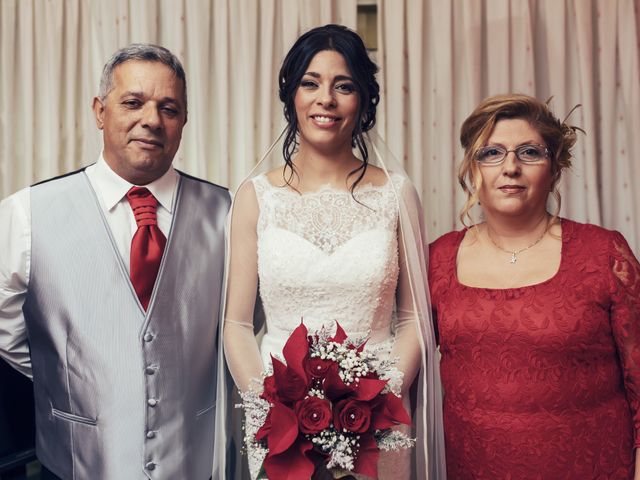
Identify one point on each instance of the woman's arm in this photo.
(240, 346)
(406, 346)
(625, 324)
(408, 329)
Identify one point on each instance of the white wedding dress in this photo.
(325, 257)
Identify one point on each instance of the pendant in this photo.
(513, 257)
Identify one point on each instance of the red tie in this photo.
(147, 244)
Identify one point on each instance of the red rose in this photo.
(352, 415)
(314, 415)
(317, 367)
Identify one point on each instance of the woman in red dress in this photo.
(538, 316)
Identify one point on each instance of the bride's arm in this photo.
(407, 344)
(240, 346)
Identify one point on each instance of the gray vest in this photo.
(120, 393)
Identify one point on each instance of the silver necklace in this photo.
(514, 253)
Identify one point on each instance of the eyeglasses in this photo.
(495, 155)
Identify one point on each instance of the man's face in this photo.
(142, 119)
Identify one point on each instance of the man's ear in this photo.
(98, 111)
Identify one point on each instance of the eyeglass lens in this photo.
(525, 153)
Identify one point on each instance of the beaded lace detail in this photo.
(324, 257)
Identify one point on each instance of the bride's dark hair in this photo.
(363, 71)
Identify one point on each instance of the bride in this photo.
(330, 237)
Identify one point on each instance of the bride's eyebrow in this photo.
(337, 78)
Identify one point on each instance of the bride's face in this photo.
(326, 103)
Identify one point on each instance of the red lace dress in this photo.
(543, 381)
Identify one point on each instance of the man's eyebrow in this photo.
(136, 94)
(132, 93)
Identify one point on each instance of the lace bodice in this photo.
(324, 257)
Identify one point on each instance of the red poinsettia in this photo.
(310, 399)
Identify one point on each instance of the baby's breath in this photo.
(340, 448)
(393, 440)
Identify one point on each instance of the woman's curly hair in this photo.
(558, 136)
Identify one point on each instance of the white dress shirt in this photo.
(15, 245)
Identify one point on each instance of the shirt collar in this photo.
(113, 187)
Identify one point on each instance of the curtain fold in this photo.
(53, 53)
(438, 59)
(576, 51)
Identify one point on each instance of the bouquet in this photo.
(329, 404)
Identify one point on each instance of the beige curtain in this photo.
(441, 57)
(438, 59)
(52, 53)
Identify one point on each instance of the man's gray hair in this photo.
(141, 52)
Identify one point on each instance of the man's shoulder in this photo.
(201, 180)
(201, 191)
(64, 176)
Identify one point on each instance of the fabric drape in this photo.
(52, 54)
(438, 59)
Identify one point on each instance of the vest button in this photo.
(150, 466)
(148, 337)
(149, 370)
(151, 434)
(152, 402)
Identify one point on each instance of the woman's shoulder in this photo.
(446, 243)
(374, 176)
(609, 250)
(274, 177)
(587, 233)
(442, 263)
(268, 181)
(594, 243)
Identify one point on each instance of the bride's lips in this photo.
(325, 120)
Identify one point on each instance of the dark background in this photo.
(17, 426)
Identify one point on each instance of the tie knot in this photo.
(144, 206)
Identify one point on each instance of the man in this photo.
(110, 293)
